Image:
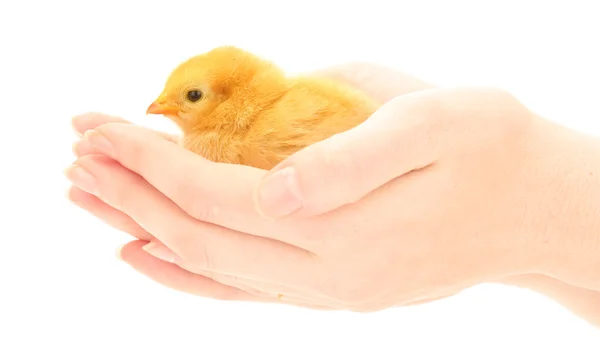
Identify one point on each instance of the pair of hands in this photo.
(440, 190)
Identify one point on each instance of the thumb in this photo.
(342, 169)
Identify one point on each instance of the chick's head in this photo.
(198, 88)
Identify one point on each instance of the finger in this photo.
(212, 192)
(406, 134)
(379, 82)
(344, 168)
(282, 294)
(160, 251)
(83, 147)
(176, 278)
(91, 120)
(288, 293)
(107, 214)
(123, 222)
(202, 244)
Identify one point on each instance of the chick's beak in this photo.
(161, 109)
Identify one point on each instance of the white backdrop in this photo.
(58, 271)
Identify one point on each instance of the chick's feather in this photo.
(251, 113)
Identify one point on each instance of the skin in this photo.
(481, 165)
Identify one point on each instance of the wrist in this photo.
(568, 205)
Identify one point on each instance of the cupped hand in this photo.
(403, 242)
(346, 249)
(381, 83)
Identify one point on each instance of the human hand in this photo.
(381, 83)
(300, 247)
(557, 286)
(203, 283)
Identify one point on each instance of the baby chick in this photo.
(234, 107)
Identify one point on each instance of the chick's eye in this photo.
(194, 95)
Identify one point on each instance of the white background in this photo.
(58, 272)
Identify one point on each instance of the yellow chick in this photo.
(234, 107)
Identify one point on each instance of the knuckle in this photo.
(196, 254)
(121, 199)
(132, 151)
(135, 154)
(199, 208)
(314, 238)
(336, 160)
(205, 257)
(191, 200)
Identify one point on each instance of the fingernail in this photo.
(279, 194)
(81, 178)
(82, 147)
(161, 252)
(99, 142)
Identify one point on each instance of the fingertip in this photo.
(76, 195)
(76, 122)
(78, 119)
(82, 199)
(69, 194)
(118, 252)
(92, 120)
(82, 147)
(160, 251)
(132, 250)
